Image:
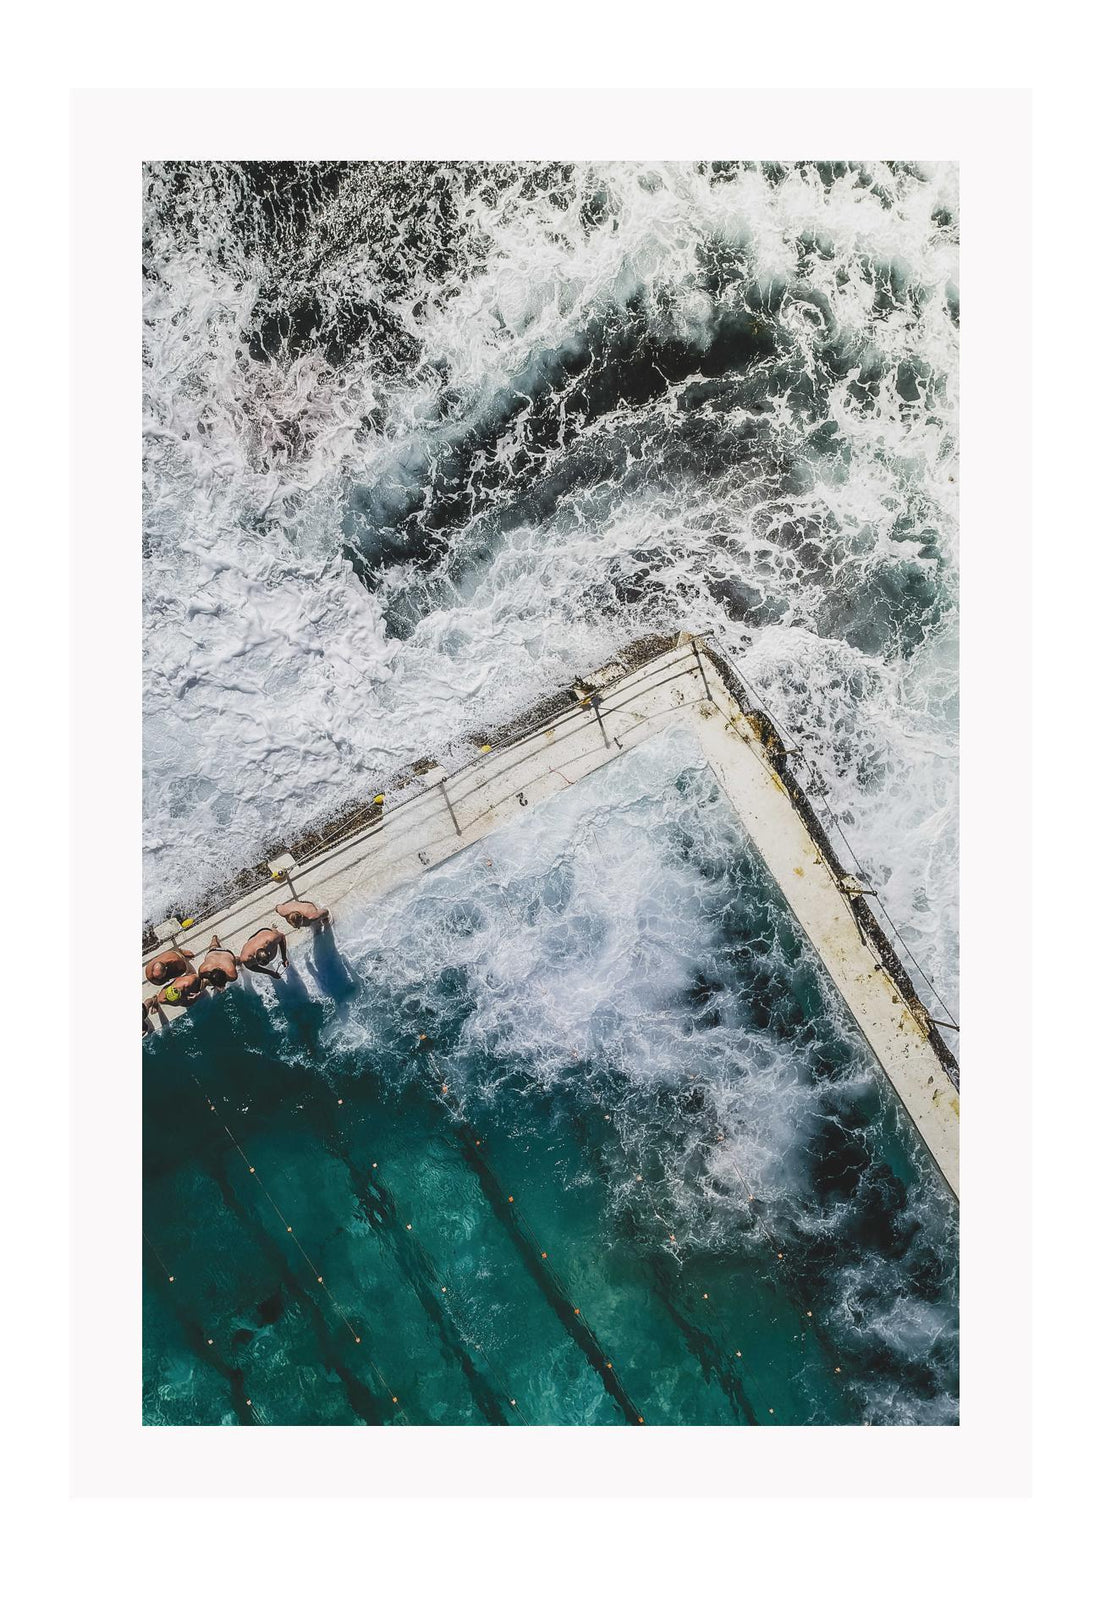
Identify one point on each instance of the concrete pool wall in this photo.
(395, 838)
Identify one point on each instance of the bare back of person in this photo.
(167, 965)
(182, 990)
(262, 948)
(218, 967)
(299, 913)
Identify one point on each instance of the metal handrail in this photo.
(598, 710)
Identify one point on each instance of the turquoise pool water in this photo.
(574, 1131)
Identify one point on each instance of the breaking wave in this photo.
(422, 441)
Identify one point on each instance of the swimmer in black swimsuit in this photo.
(260, 949)
(218, 967)
(167, 965)
(299, 914)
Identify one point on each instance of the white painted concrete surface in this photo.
(420, 832)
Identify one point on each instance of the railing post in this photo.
(594, 702)
(702, 669)
(450, 808)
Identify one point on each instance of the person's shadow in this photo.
(303, 1014)
(290, 989)
(334, 976)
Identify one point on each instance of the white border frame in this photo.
(988, 133)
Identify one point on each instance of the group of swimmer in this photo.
(182, 983)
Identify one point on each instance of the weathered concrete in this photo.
(614, 711)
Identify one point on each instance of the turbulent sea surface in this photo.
(421, 443)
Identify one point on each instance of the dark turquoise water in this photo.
(648, 1078)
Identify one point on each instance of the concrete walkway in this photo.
(684, 685)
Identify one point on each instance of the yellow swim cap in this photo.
(171, 995)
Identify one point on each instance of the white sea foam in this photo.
(810, 523)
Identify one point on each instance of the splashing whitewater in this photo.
(422, 441)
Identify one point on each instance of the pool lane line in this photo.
(717, 1332)
(376, 1184)
(367, 1404)
(428, 1285)
(712, 1341)
(460, 1351)
(534, 1256)
(530, 1233)
(355, 1333)
(201, 1340)
(797, 1292)
(716, 1357)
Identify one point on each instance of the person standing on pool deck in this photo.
(182, 991)
(261, 948)
(167, 965)
(298, 914)
(218, 967)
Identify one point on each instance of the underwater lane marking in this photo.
(288, 1226)
(535, 1257)
(202, 1340)
(387, 1208)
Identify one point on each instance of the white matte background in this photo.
(826, 1550)
(987, 1453)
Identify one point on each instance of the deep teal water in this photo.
(633, 1036)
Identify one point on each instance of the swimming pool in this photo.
(575, 1130)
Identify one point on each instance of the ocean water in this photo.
(598, 1035)
(421, 443)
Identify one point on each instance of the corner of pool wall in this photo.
(376, 847)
